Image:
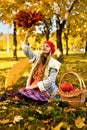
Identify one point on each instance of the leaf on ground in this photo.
(5, 121)
(40, 112)
(58, 126)
(4, 107)
(47, 121)
(17, 119)
(79, 122)
(31, 118)
(69, 109)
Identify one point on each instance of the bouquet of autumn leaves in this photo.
(27, 17)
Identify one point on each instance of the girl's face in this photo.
(46, 49)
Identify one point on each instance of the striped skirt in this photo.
(34, 94)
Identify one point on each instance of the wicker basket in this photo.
(75, 99)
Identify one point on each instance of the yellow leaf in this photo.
(4, 107)
(5, 121)
(16, 72)
(31, 118)
(17, 119)
(40, 112)
(58, 126)
(79, 122)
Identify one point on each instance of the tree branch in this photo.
(71, 5)
(69, 9)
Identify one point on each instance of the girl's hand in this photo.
(29, 87)
(32, 86)
(29, 32)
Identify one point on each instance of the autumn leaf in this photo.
(26, 18)
(4, 107)
(17, 119)
(5, 121)
(58, 126)
(40, 112)
(79, 122)
(47, 121)
(31, 118)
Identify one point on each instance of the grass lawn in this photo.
(22, 116)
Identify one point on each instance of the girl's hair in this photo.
(44, 61)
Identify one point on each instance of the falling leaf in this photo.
(79, 122)
(17, 119)
(58, 126)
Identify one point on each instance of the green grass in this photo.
(47, 116)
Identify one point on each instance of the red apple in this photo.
(74, 90)
(66, 86)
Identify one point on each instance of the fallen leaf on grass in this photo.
(47, 121)
(17, 119)
(69, 109)
(4, 107)
(40, 112)
(58, 126)
(79, 122)
(5, 121)
(31, 118)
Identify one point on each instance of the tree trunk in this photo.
(59, 27)
(14, 42)
(67, 46)
(86, 48)
(7, 40)
(66, 38)
(59, 35)
(47, 35)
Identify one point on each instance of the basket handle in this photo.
(81, 82)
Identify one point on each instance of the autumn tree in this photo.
(60, 9)
(46, 28)
(8, 9)
(64, 10)
(77, 22)
(66, 37)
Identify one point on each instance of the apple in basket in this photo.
(66, 86)
(74, 90)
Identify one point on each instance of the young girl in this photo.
(41, 85)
